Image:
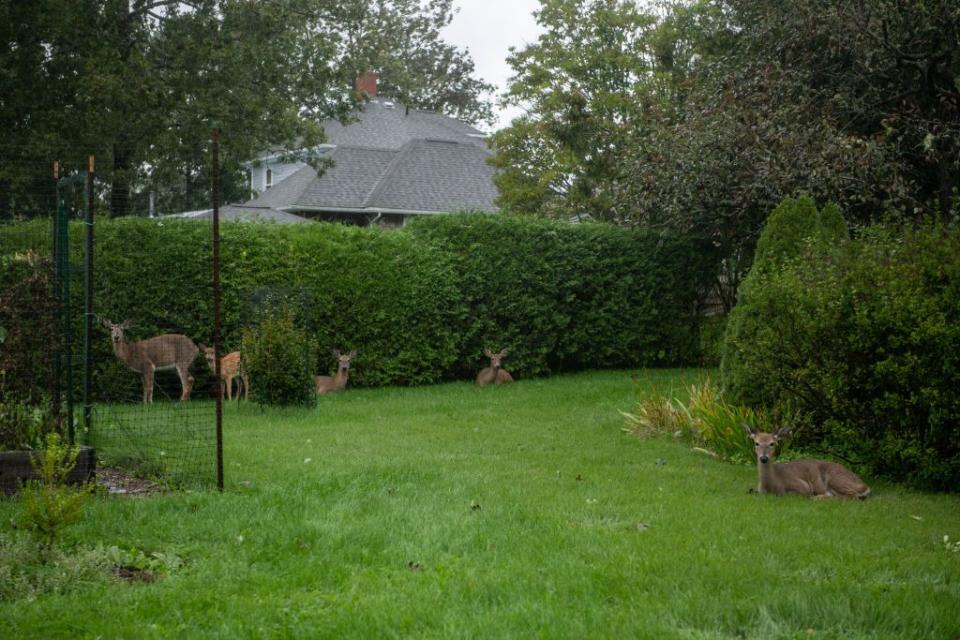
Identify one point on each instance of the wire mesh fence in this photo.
(28, 335)
(81, 355)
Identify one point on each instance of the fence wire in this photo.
(148, 405)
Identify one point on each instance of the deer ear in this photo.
(750, 430)
(504, 353)
(336, 353)
(488, 353)
(105, 322)
(353, 353)
(782, 433)
(126, 324)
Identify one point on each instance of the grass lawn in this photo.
(503, 512)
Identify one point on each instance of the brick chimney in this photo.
(366, 84)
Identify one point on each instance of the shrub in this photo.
(28, 323)
(794, 229)
(863, 340)
(280, 360)
(707, 421)
(50, 504)
(23, 425)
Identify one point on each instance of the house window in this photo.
(269, 178)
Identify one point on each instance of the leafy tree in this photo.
(731, 106)
(594, 79)
(145, 91)
(401, 40)
(577, 83)
(849, 101)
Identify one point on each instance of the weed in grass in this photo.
(64, 571)
(952, 546)
(24, 577)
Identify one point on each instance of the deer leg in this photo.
(148, 384)
(229, 382)
(186, 381)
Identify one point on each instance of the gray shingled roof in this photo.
(383, 127)
(391, 160)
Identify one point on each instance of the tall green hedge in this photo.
(572, 297)
(418, 304)
(859, 341)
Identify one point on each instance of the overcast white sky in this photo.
(488, 28)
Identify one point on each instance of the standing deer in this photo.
(167, 351)
(817, 478)
(229, 369)
(494, 373)
(329, 384)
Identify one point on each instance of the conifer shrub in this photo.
(861, 339)
(280, 358)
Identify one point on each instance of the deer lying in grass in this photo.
(494, 374)
(817, 478)
(229, 369)
(338, 382)
(167, 351)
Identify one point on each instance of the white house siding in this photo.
(281, 170)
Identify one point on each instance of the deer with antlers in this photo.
(167, 351)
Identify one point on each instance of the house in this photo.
(392, 163)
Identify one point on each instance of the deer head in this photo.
(343, 359)
(116, 330)
(209, 354)
(496, 359)
(765, 444)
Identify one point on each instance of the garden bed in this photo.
(16, 467)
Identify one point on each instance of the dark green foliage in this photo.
(861, 339)
(391, 297)
(420, 304)
(792, 226)
(280, 359)
(712, 329)
(572, 297)
(793, 229)
(27, 318)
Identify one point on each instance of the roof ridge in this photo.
(290, 192)
(381, 183)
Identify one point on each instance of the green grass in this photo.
(526, 511)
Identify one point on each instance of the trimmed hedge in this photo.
(418, 304)
(566, 297)
(860, 340)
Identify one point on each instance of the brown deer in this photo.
(494, 374)
(817, 478)
(167, 351)
(338, 382)
(229, 369)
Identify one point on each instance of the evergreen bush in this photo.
(280, 358)
(862, 340)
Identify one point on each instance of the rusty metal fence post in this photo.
(214, 135)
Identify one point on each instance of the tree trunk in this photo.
(947, 183)
(120, 188)
(5, 200)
